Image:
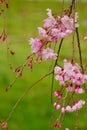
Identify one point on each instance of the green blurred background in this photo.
(35, 110)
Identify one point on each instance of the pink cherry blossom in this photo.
(68, 109)
(67, 22)
(50, 22)
(63, 110)
(57, 70)
(71, 74)
(48, 54)
(79, 91)
(54, 35)
(56, 93)
(57, 106)
(78, 105)
(74, 108)
(60, 79)
(36, 44)
(42, 32)
(70, 89)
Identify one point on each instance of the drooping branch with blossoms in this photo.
(71, 77)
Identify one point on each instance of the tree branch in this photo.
(24, 93)
(79, 47)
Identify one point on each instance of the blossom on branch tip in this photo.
(63, 110)
(79, 91)
(54, 28)
(36, 44)
(50, 22)
(70, 89)
(68, 109)
(42, 32)
(70, 74)
(57, 106)
(78, 105)
(57, 70)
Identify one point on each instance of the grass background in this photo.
(35, 110)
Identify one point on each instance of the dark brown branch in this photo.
(58, 52)
(56, 62)
(71, 7)
(79, 47)
(73, 38)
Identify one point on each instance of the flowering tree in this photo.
(70, 77)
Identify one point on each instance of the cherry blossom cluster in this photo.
(70, 77)
(75, 107)
(54, 28)
(71, 80)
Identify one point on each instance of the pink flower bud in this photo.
(63, 110)
(60, 96)
(79, 91)
(68, 109)
(57, 106)
(56, 93)
(54, 104)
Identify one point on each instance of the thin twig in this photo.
(4, 30)
(52, 84)
(58, 52)
(24, 93)
(79, 47)
(56, 62)
(71, 7)
(73, 38)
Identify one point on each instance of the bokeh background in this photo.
(34, 112)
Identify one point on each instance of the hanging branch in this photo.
(24, 93)
(71, 7)
(79, 47)
(73, 37)
(56, 63)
